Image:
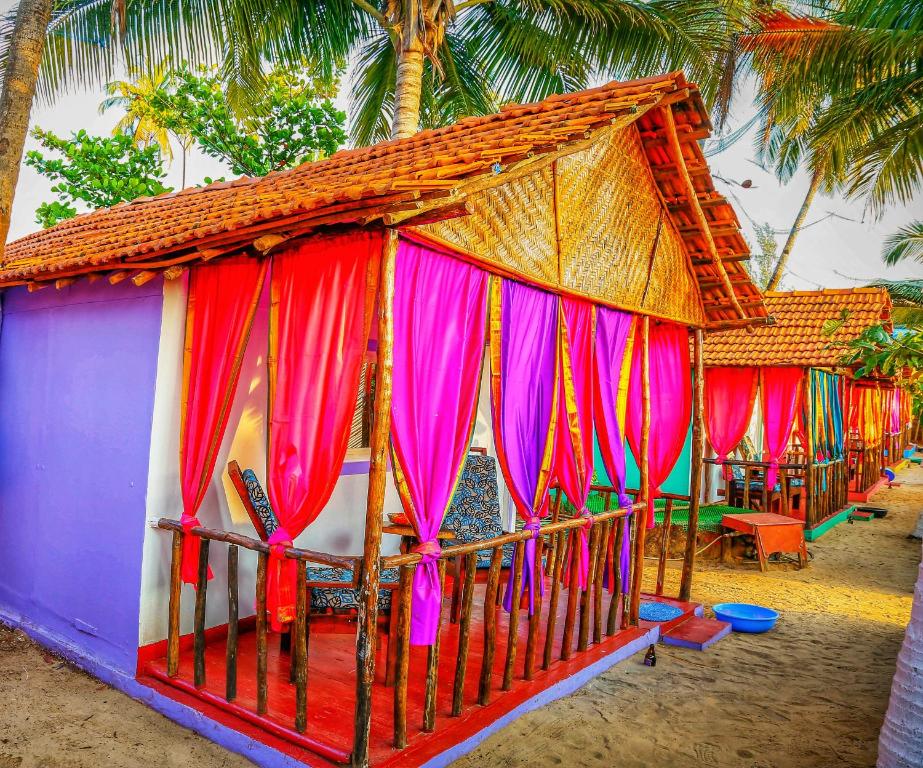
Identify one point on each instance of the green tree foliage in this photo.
(94, 171)
(293, 119)
(763, 262)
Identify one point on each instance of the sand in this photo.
(811, 693)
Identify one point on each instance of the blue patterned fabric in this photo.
(345, 598)
(260, 502)
(475, 511)
(321, 597)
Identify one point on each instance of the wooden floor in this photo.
(331, 687)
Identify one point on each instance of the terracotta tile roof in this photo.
(797, 337)
(391, 181)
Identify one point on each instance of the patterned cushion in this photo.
(346, 597)
(475, 511)
(321, 597)
(260, 502)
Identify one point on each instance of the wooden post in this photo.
(604, 547)
(370, 570)
(176, 586)
(809, 498)
(432, 664)
(405, 592)
(464, 633)
(199, 627)
(573, 588)
(641, 518)
(664, 546)
(300, 649)
(230, 658)
(535, 618)
(583, 633)
(698, 455)
(559, 544)
(261, 690)
(512, 636)
(490, 626)
(612, 620)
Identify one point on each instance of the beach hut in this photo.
(237, 415)
(822, 435)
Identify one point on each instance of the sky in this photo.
(839, 247)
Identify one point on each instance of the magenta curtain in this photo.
(671, 403)
(780, 396)
(220, 309)
(730, 393)
(613, 330)
(440, 319)
(524, 362)
(573, 463)
(322, 298)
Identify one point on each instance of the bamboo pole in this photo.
(490, 626)
(176, 586)
(230, 661)
(641, 520)
(370, 572)
(698, 454)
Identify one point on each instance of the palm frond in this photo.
(904, 245)
(372, 96)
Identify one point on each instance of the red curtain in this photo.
(780, 396)
(221, 305)
(671, 403)
(730, 393)
(573, 464)
(323, 294)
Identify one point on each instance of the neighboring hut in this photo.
(591, 221)
(821, 433)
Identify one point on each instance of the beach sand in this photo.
(812, 692)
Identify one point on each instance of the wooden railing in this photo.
(865, 465)
(555, 539)
(299, 637)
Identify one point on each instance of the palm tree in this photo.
(140, 120)
(20, 75)
(905, 244)
(423, 63)
(907, 300)
(851, 84)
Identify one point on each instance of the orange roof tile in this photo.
(387, 181)
(797, 336)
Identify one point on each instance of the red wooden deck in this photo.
(331, 686)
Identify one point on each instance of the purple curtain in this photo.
(613, 331)
(524, 360)
(440, 318)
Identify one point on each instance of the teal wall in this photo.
(677, 482)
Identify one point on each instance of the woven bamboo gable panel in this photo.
(608, 211)
(511, 226)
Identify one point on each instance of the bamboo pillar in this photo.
(698, 454)
(809, 499)
(641, 520)
(370, 572)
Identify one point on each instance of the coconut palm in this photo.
(907, 300)
(140, 121)
(850, 84)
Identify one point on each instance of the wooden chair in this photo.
(332, 589)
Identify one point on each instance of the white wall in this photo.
(339, 529)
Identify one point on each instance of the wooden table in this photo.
(772, 533)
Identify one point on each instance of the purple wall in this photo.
(77, 375)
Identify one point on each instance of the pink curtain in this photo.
(523, 385)
(780, 397)
(730, 393)
(671, 403)
(613, 330)
(895, 411)
(221, 305)
(440, 318)
(322, 299)
(573, 465)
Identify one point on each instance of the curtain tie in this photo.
(281, 581)
(726, 471)
(625, 501)
(428, 550)
(583, 548)
(534, 525)
(189, 569)
(772, 474)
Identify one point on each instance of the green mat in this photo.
(709, 514)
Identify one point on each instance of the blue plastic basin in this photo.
(746, 618)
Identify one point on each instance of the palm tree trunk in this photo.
(24, 58)
(407, 89)
(900, 743)
(776, 276)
